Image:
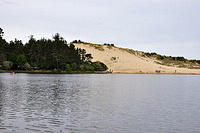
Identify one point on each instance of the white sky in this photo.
(170, 27)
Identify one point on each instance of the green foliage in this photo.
(67, 67)
(91, 68)
(99, 66)
(150, 54)
(21, 60)
(159, 57)
(170, 58)
(180, 59)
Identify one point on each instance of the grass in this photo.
(131, 51)
(180, 64)
(109, 46)
(96, 46)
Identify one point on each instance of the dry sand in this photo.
(130, 63)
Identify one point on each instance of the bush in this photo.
(99, 66)
(109, 44)
(198, 61)
(180, 59)
(82, 67)
(74, 66)
(75, 41)
(91, 68)
(170, 58)
(27, 66)
(159, 57)
(67, 67)
(113, 58)
(79, 41)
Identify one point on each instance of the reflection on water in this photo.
(99, 103)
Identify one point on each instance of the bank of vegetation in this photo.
(54, 55)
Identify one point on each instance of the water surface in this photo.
(88, 103)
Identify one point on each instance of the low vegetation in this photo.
(107, 44)
(131, 51)
(96, 46)
(173, 61)
(113, 58)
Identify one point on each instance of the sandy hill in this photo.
(121, 60)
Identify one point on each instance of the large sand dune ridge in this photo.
(120, 61)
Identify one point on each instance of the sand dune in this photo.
(120, 61)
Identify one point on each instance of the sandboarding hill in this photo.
(121, 60)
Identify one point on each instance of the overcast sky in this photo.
(170, 27)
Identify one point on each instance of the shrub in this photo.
(74, 66)
(67, 67)
(198, 61)
(159, 57)
(79, 41)
(91, 68)
(109, 44)
(99, 66)
(113, 58)
(75, 41)
(27, 66)
(82, 67)
(180, 59)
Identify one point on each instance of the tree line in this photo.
(45, 54)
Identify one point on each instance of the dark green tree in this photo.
(21, 60)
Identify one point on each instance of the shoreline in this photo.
(156, 73)
(89, 72)
(49, 72)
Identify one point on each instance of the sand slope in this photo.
(121, 61)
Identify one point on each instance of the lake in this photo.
(101, 103)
